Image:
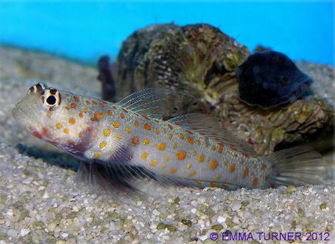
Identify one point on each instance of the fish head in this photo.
(58, 117)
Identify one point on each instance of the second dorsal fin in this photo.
(212, 128)
(159, 103)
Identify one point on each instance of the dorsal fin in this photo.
(159, 103)
(212, 128)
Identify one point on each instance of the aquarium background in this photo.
(85, 30)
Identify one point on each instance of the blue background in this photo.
(85, 30)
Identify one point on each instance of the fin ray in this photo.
(297, 166)
(158, 103)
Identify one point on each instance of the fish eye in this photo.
(51, 99)
(39, 87)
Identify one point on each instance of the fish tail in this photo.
(297, 166)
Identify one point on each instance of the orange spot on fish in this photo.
(190, 140)
(87, 102)
(97, 155)
(213, 147)
(102, 105)
(128, 130)
(107, 132)
(66, 131)
(157, 131)
(170, 126)
(201, 158)
(102, 144)
(116, 124)
(181, 136)
(109, 112)
(76, 98)
(73, 105)
(135, 140)
(49, 114)
(214, 184)
(146, 141)
(161, 146)
(98, 115)
(170, 136)
(89, 129)
(136, 124)
(263, 166)
(220, 150)
(173, 170)
(144, 155)
(59, 126)
(72, 121)
(213, 164)
(245, 154)
(231, 168)
(147, 126)
(121, 115)
(85, 110)
(125, 110)
(153, 163)
(80, 134)
(81, 115)
(118, 137)
(181, 155)
(94, 102)
(225, 185)
(245, 172)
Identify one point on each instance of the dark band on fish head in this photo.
(39, 87)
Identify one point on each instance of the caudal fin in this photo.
(297, 166)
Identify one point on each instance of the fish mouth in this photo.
(18, 114)
(22, 117)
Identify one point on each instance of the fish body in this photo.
(191, 149)
(165, 148)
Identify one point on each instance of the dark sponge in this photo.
(267, 79)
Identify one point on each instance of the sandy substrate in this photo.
(41, 203)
